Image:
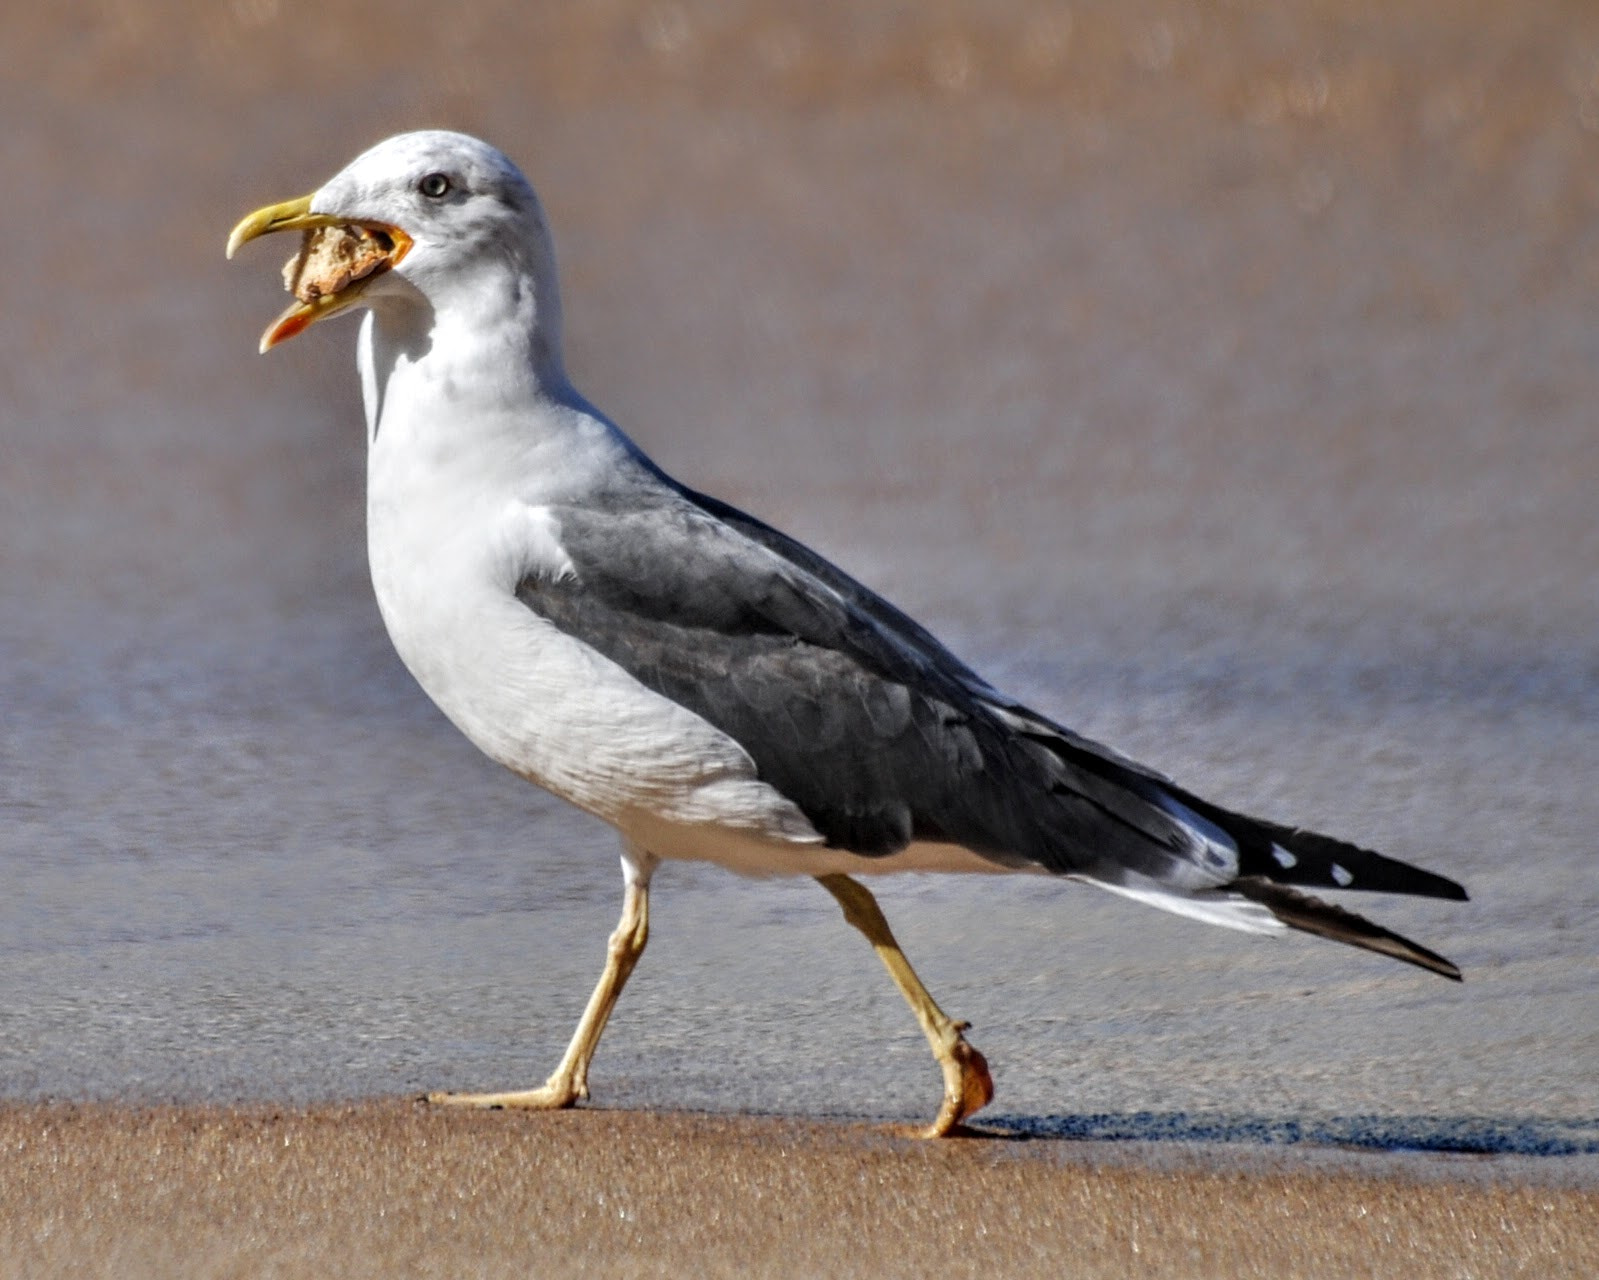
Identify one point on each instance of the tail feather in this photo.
(1270, 857)
(1312, 915)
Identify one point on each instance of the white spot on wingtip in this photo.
(1342, 876)
(1283, 858)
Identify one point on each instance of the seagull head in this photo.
(432, 222)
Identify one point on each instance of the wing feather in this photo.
(858, 715)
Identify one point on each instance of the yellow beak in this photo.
(291, 215)
(296, 215)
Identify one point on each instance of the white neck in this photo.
(481, 396)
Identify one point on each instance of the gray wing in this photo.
(856, 714)
(1130, 793)
(880, 736)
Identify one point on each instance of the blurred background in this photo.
(1216, 377)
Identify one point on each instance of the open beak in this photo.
(323, 284)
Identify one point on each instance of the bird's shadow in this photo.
(1442, 1134)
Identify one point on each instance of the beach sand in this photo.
(393, 1188)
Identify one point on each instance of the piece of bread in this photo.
(333, 258)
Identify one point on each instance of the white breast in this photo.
(450, 533)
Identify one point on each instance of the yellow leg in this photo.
(967, 1085)
(570, 1080)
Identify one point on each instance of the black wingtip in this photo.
(1325, 862)
(1312, 915)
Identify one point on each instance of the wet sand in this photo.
(393, 1188)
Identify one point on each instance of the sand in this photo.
(393, 1188)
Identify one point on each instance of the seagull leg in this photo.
(967, 1085)
(569, 1081)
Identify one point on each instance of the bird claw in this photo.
(554, 1095)
(968, 1086)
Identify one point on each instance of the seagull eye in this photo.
(435, 186)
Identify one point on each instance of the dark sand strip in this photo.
(396, 1189)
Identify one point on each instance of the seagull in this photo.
(713, 689)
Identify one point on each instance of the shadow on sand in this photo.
(1474, 1135)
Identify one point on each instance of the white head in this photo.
(448, 228)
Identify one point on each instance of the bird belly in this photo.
(556, 712)
(749, 854)
(559, 714)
